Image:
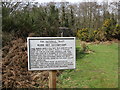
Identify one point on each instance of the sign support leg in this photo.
(52, 79)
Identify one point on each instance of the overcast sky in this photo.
(73, 1)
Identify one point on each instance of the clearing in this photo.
(98, 69)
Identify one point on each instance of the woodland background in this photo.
(95, 25)
(89, 21)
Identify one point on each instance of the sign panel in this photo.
(51, 53)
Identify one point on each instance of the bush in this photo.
(86, 34)
(83, 34)
(84, 47)
(116, 32)
(6, 38)
(108, 28)
(100, 35)
(108, 31)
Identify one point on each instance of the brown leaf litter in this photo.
(15, 72)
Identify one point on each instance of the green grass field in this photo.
(94, 70)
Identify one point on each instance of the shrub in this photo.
(100, 35)
(86, 34)
(116, 32)
(6, 38)
(84, 47)
(83, 34)
(108, 28)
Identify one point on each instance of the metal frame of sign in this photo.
(29, 39)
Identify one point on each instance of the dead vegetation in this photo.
(15, 72)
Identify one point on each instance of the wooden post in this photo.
(52, 76)
(62, 34)
(52, 79)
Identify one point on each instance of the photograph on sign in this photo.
(51, 53)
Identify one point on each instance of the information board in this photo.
(51, 53)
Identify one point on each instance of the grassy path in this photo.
(94, 70)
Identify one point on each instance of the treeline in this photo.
(89, 21)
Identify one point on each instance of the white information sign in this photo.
(51, 53)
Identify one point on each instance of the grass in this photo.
(94, 70)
